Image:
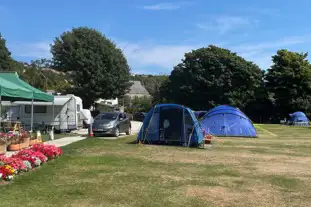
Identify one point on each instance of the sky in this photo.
(155, 34)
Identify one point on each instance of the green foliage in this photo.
(5, 55)
(42, 78)
(289, 81)
(211, 76)
(99, 69)
(42, 63)
(137, 104)
(152, 83)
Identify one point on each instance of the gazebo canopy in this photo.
(13, 88)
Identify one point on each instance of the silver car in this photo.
(111, 123)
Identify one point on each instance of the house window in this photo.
(78, 107)
(36, 109)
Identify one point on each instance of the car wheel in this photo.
(129, 131)
(117, 132)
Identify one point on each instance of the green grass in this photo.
(266, 171)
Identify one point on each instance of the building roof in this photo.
(138, 88)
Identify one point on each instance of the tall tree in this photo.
(42, 63)
(152, 83)
(99, 68)
(5, 55)
(210, 76)
(289, 81)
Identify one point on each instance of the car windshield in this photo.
(106, 116)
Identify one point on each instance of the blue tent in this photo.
(227, 121)
(199, 114)
(171, 123)
(298, 118)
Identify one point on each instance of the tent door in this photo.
(171, 124)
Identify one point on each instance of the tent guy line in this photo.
(257, 125)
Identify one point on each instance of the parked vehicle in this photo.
(111, 123)
(66, 113)
(139, 116)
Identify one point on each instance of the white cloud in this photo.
(223, 24)
(165, 6)
(31, 50)
(287, 41)
(142, 56)
(271, 12)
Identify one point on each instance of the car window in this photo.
(106, 116)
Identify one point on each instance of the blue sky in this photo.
(154, 35)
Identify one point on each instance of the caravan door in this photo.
(71, 114)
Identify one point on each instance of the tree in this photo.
(289, 81)
(261, 109)
(5, 55)
(42, 63)
(210, 76)
(137, 104)
(98, 67)
(152, 83)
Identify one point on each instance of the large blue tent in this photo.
(298, 118)
(171, 123)
(228, 121)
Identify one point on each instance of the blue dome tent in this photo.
(171, 123)
(199, 114)
(227, 121)
(298, 118)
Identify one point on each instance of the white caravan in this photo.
(65, 114)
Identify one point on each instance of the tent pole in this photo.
(31, 122)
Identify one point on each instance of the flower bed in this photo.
(15, 141)
(27, 159)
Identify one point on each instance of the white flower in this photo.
(0, 175)
(27, 165)
(37, 162)
(10, 177)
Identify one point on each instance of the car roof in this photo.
(115, 112)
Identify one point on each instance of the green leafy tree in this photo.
(261, 109)
(42, 63)
(210, 76)
(152, 83)
(99, 69)
(137, 104)
(289, 82)
(5, 56)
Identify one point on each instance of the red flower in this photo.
(51, 151)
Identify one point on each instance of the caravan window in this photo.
(36, 109)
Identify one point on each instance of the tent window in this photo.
(36, 109)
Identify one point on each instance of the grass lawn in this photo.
(273, 170)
